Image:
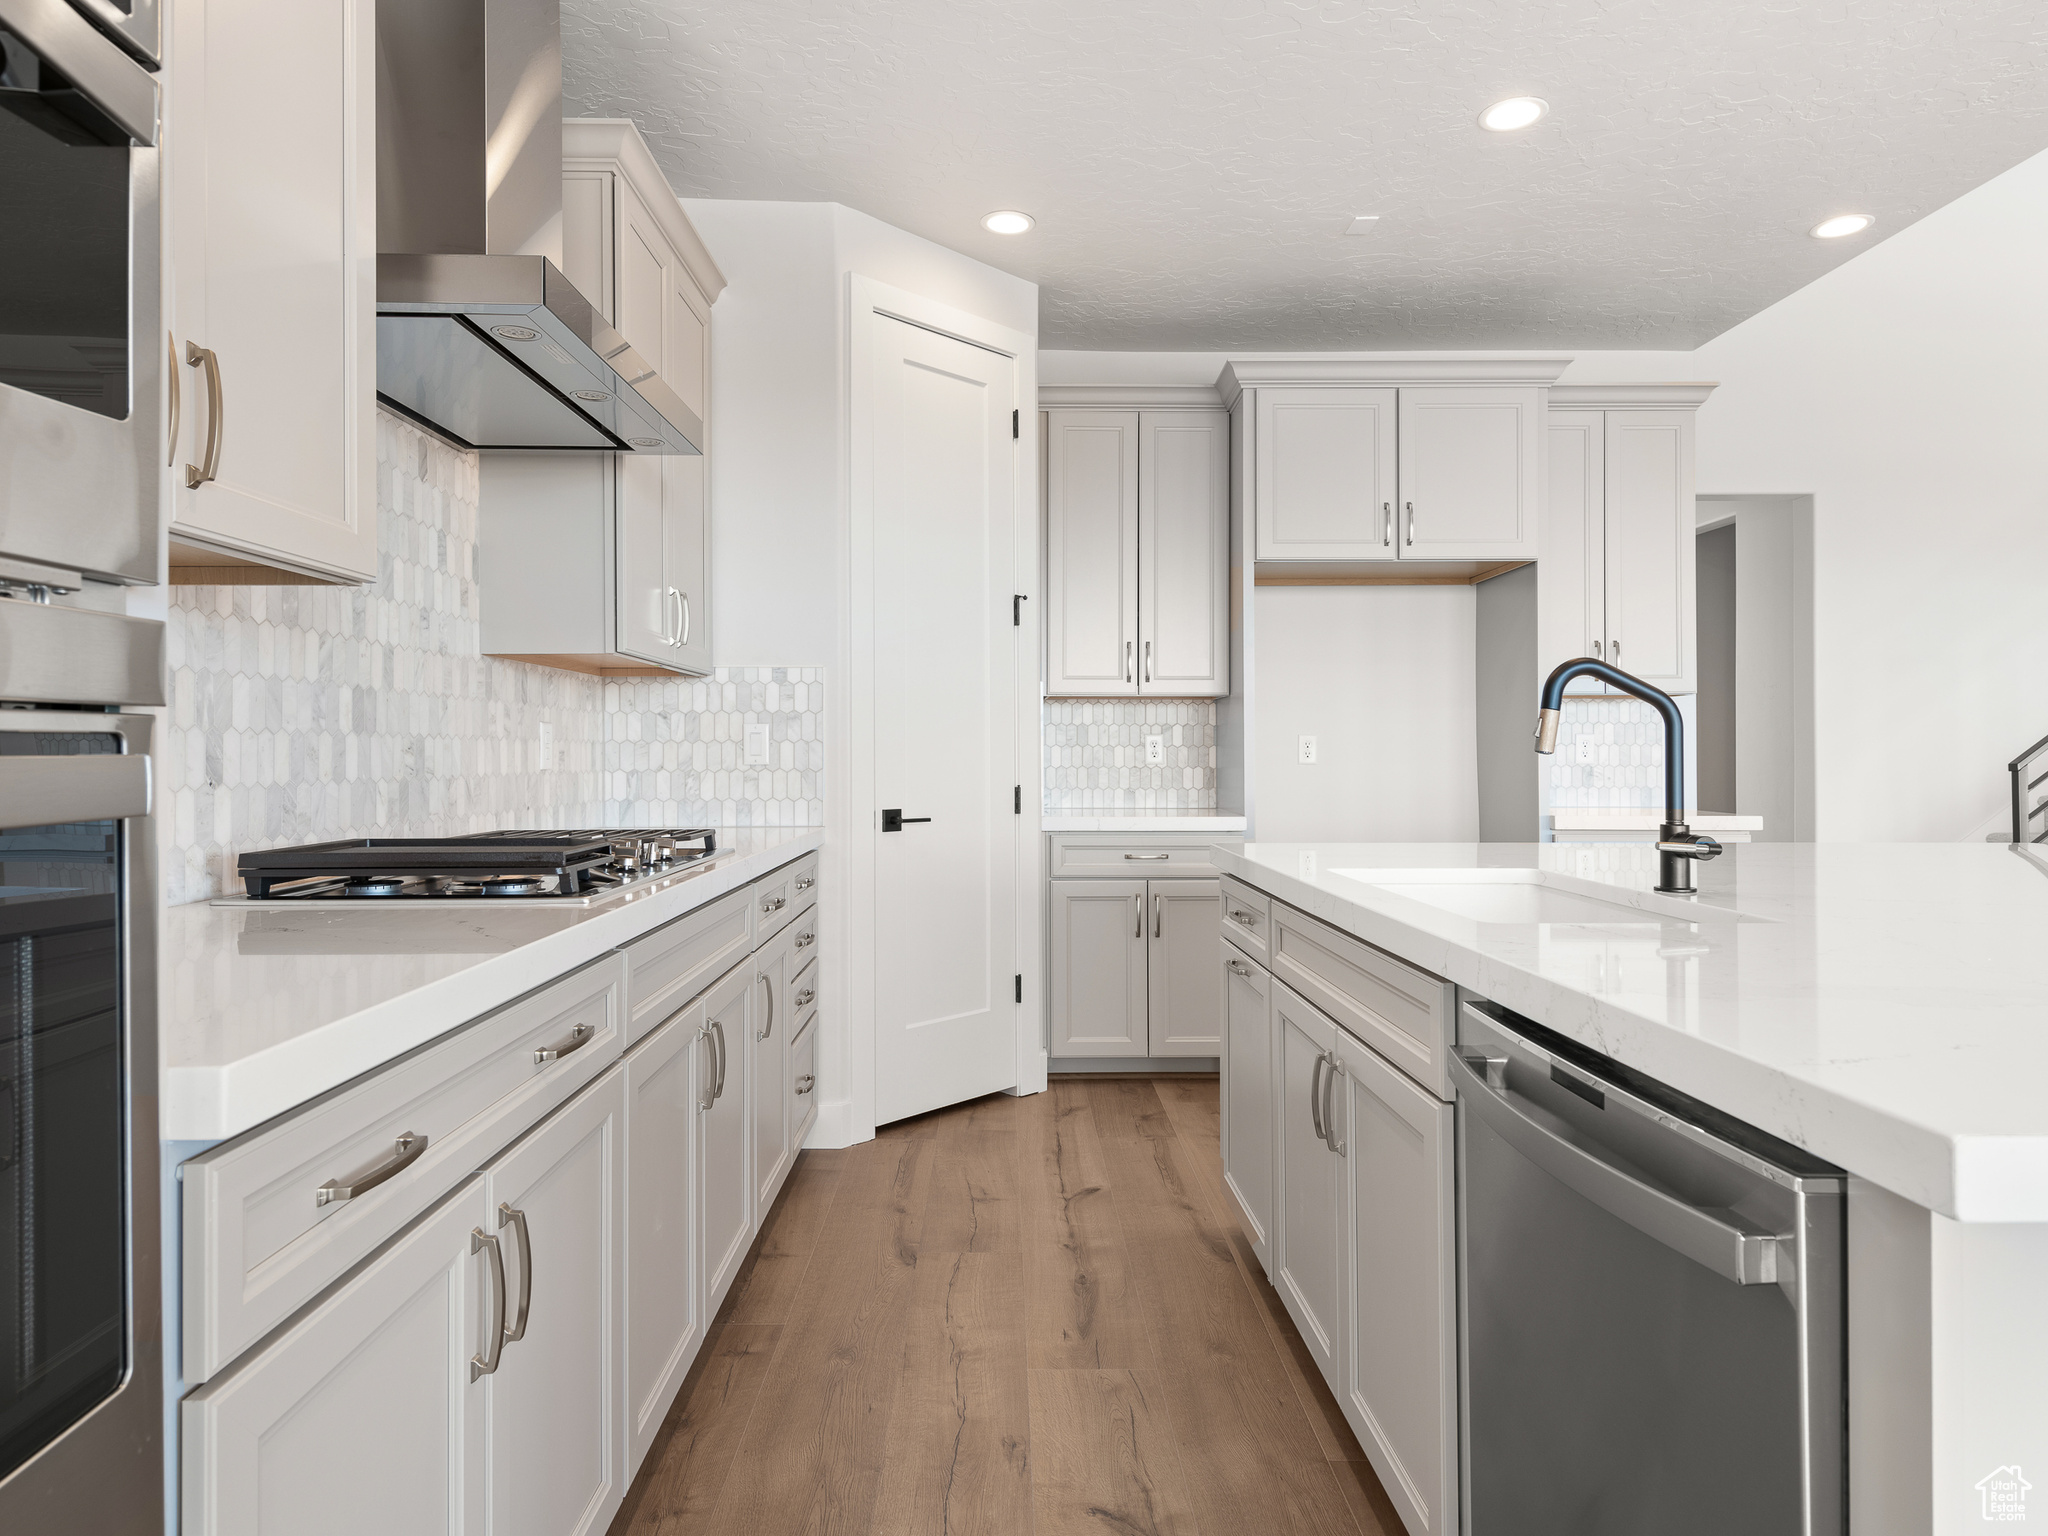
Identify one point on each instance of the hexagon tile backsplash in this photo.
(303, 714)
(1095, 754)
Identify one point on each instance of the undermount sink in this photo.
(1521, 897)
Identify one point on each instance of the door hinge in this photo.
(1020, 986)
(1017, 610)
(1017, 801)
(1016, 426)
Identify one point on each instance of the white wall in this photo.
(1382, 677)
(780, 495)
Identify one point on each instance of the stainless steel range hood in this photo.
(479, 335)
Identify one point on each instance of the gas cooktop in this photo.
(551, 868)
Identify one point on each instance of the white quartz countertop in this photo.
(1141, 821)
(1649, 821)
(265, 1007)
(1883, 1005)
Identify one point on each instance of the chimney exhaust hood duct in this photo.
(480, 338)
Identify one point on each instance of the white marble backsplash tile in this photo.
(1095, 754)
(1627, 770)
(305, 714)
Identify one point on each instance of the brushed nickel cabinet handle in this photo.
(807, 882)
(803, 998)
(406, 1150)
(579, 1037)
(1240, 968)
(1315, 1099)
(709, 1094)
(1386, 523)
(1127, 660)
(1411, 520)
(484, 1364)
(774, 903)
(1329, 1120)
(1148, 661)
(171, 455)
(1158, 904)
(768, 1028)
(197, 356)
(806, 940)
(1239, 915)
(684, 599)
(1142, 857)
(718, 1092)
(508, 1216)
(805, 1084)
(1138, 928)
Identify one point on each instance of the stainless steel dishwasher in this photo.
(1651, 1297)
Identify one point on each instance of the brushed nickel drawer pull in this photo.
(1239, 915)
(197, 356)
(803, 998)
(805, 1084)
(807, 882)
(768, 1028)
(1240, 968)
(805, 940)
(579, 1037)
(507, 1216)
(407, 1148)
(485, 1364)
(1141, 857)
(774, 903)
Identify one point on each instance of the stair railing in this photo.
(2028, 775)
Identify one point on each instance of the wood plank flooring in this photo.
(1019, 1315)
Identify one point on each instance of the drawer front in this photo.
(805, 944)
(803, 991)
(671, 965)
(1131, 857)
(1402, 1013)
(780, 898)
(261, 1235)
(1247, 919)
(803, 1080)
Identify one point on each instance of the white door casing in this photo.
(939, 549)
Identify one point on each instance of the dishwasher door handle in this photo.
(1718, 1240)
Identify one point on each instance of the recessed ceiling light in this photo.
(1842, 224)
(1515, 112)
(1006, 221)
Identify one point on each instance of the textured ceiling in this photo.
(1191, 165)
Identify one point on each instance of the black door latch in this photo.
(894, 820)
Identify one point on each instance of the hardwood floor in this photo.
(1016, 1315)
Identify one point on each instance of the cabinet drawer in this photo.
(803, 991)
(1132, 857)
(1401, 1012)
(261, 1235)
(673, 964)
(806, 943)
(803, 1080)
(1247, 919)
(780, 897)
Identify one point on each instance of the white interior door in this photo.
(943, 467)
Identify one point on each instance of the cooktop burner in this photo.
(576, 867)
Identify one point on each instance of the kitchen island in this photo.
(1883, 1008)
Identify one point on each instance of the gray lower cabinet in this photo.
(1401, 1345)
(775, 966)
(1247, 1097)
(556, 1453)
(1133, 968)
(378, 1374)
(725, 1209)
(663, 1320)
(1308, 1257)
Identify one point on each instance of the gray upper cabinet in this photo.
(1325, 477)
(623, 542)
(1137, 507)
(1471, 473)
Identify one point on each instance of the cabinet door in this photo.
(557, 1447)
(1400, 1379)
(1323, 474)
(1091, 553)
(1184, 553)
(1651, 546)
(646, 604)
(375, 1378)
(1186, 1005)
(1471, 473)
(686, 543)
(774, 1024)
(1099, 952)
(1308, 1269)
(803, 1082)
(725, 1213)
(1248, 1100)
(663, 1324)
(687, 350)
(1571, 574)
(271, 206)
(642, 278)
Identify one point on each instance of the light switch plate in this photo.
(757, 746)
(1155, 750)
(1308, 750)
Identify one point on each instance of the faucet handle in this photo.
(1692, 846)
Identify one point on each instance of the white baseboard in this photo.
(834, 1125)
(1149, 1065)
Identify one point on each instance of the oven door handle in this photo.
(92, 786)
(1718, 1240)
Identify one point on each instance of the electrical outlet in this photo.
(1585, 749)
(547, 745)
(757, 746)
(1155, 750)
(1308, 750)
